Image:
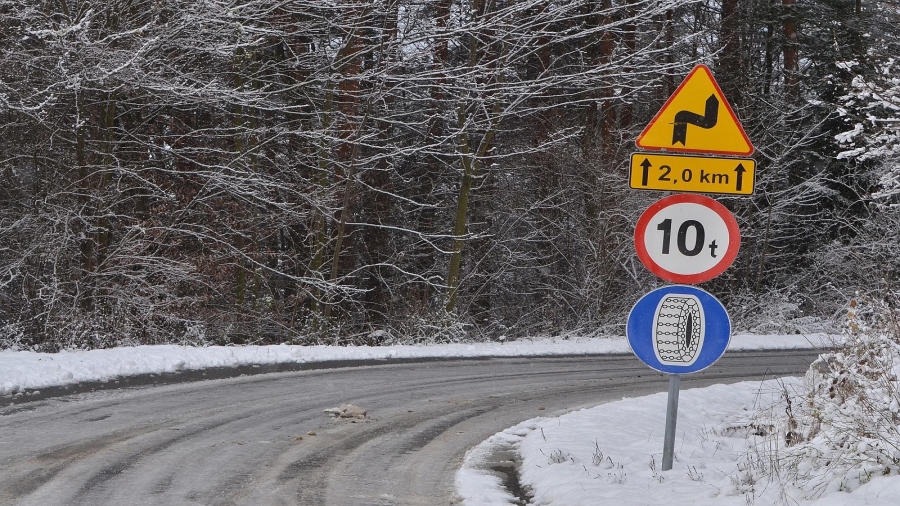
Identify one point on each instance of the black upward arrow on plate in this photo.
(646, 165)
(740, 176)
(684, 118)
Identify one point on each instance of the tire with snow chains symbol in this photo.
(678, 329)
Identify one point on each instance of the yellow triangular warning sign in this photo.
(696, 119)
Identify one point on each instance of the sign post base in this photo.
(671, 416)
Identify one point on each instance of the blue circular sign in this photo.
(678, 329)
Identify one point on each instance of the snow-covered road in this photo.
(265, 439)
(23, 372)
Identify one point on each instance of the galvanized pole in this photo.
(671, 416)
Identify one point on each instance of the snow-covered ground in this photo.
(25, 370)
(611, 453)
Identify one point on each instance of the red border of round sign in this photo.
(734, 242)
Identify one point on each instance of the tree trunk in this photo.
(791, 59)
(769, 63)
(731, 63)
(470, 161)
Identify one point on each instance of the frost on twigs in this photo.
(845, 428)
(347, 411)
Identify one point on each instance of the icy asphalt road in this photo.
(264, 440)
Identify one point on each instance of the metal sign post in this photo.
(671, 417)
(687, 238)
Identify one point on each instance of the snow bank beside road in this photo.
(22, 370)
(612, 454)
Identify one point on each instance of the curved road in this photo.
(264, 440)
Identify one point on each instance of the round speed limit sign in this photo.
(687, 238)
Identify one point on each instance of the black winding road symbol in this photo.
(685, 118)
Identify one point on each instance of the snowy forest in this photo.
(384, 171)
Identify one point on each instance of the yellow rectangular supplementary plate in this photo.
(692, 174)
